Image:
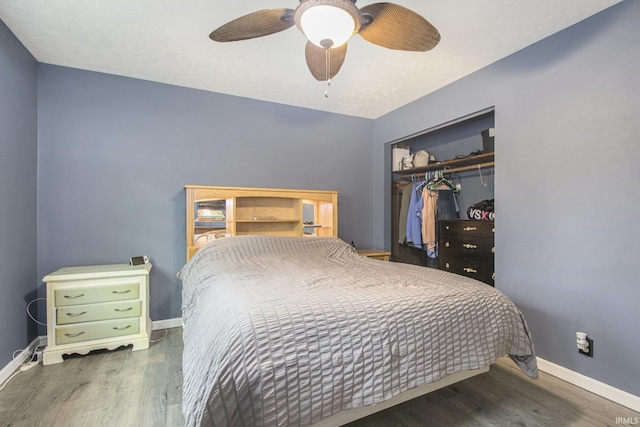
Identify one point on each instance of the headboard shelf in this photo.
(246, 210)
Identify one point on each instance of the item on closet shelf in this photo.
(471, 154)
(421, 158)
(397, 154)
(488, 140)
(482, 210)
(407, 162)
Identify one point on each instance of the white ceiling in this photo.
(167, 41)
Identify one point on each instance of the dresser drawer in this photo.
(96, 330)
(466, 246)
(93, 312)
(114, 292)
(467, 227)
(476, 269)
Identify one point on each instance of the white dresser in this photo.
(96, 307)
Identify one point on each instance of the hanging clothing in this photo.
(404, 211)
(414, 216)
(448, 205)
(425, 208)
(438, 205)
(429, 212)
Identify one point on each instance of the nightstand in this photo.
(96, 307)
(375, 254)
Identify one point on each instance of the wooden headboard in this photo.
(217, 212)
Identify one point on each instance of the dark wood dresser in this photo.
(466, 247)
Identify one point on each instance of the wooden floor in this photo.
(143, 389)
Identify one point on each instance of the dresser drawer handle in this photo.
(446, 244)
(121, 292)
(470, 228)
(121, 310)
(493, 250)
(470, 270)
(74, 335)
(470, 246)
(122, 328)
(74, 296)
(76, 314)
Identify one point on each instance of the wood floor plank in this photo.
(144, 389)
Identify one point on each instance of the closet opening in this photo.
(455, 160)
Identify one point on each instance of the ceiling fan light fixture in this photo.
(328, 23)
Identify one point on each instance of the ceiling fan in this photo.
(329, 24)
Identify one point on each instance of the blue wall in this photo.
(566, 185)
(18, 192)
(115, 153)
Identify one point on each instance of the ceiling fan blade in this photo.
(396, 27)
(317, 60)
(255, 24)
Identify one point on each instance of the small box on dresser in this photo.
(96, 307)
(467, 247)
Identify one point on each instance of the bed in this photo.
(303, 331)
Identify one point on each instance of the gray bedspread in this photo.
(287, 331)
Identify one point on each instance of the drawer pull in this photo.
(122, 328)
(493, 250)
(470, 270)
(470, 228)
(76, 314)
(446, 244)
(121, 310)
(73, 335)
(74, 296)
(470, 246)
(121, 292)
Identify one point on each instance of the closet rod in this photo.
(453, 170)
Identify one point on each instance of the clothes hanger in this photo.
(421, 184)
(441, 180)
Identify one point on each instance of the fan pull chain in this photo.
(328, 71)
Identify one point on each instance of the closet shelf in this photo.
(485, 159)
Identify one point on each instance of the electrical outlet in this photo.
(584, 343)
(587, 350)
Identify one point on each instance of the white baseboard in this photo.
(13, 366)
(594, 386)
(167, 323)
